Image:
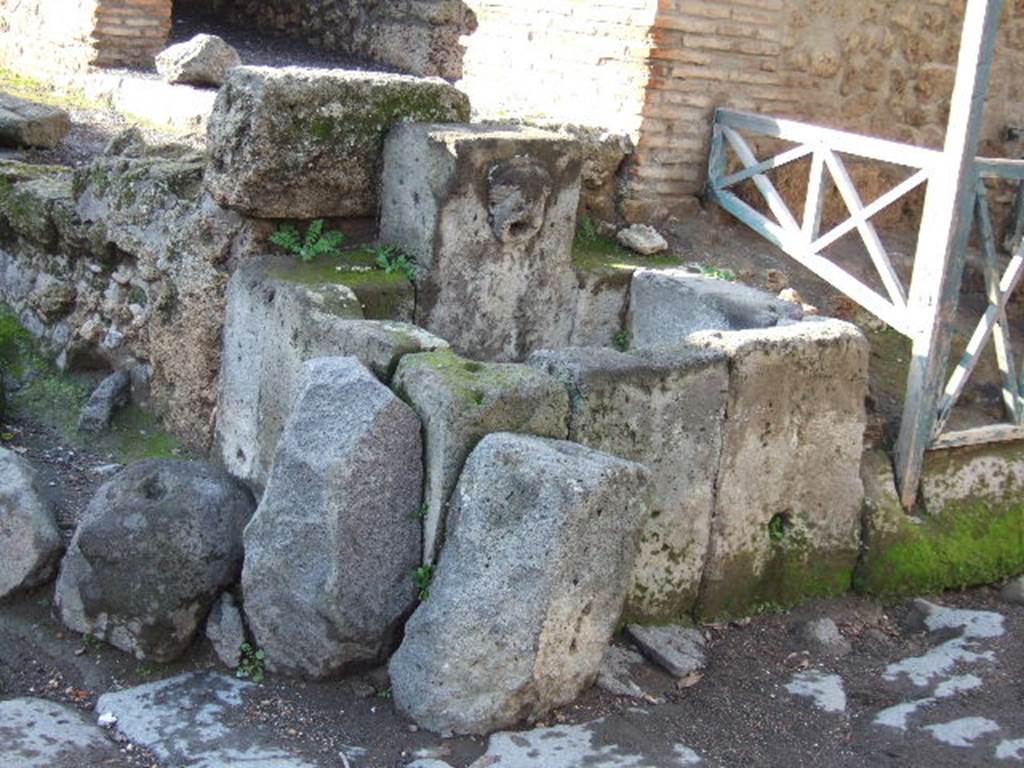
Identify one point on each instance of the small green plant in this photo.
(421, 513)
(622, 340)
(251, 666)
(587, 232)
(314, 243)
(423, 578)
(718, 273)
(392, 261)
(90, 641)
(778, 526)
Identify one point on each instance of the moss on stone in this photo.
(472, 380)
(793, 572)
(964, 544)
(55, 399)
(383, 296)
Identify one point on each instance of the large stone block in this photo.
(28, 124)
(330, 552)
(665, 412)
(529, 588)
(489, 213)
(786, 524)
(156, 546)
(305, 143)
(666, 305)
(460, 402)
(30, 543)
(274, 323)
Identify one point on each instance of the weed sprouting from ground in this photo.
(423, 577)
(252, 665)
(392, 260)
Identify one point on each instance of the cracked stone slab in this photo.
(190, 720)
(35, 733)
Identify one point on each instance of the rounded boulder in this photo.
(156, 546)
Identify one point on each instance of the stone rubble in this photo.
(226, 631)
(25, 123)
(823, 636)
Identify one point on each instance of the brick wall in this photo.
(130, 32)
(54, 36)
(658, 68)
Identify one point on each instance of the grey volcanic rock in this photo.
(29, 540)
(461, 401)
(306, 143)
(226, 631)
(27, 124)
(203, 60)
(331, 550)
(155, 547)
(110, 396)
(529, 588)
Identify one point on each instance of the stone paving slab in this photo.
(35, 733)
(184, 721)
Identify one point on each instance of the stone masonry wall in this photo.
(54, 36)
(419, 37)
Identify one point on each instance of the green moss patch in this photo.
(55, 399)
(793, 573)
(383, 296)
(962, 545)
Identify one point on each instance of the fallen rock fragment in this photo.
(226, 631)
(107, 399)
(24, 123)
(30, 544)
(156, 546)
(677, 650)
(643, 239)
(203, 60)
(1013, 592)
(529, 587)
(616, 674)
(823, 636)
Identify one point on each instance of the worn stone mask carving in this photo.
(518, 197)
